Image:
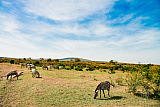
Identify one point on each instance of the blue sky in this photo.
(100, 30)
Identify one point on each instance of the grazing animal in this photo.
(44, 66)
(60, 67)
(22, 65)
(102, 86)
(12, 73)
(30, 66)
(56, 67)
(50, 67)
(34, 73)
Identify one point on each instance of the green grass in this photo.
(65, 88)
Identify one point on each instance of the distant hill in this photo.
(73, 58)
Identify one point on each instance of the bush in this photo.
(49, 60)
(77, 60)
(61, 64)
(17, 63)
(133, 82)
(71, 66)
(116, 67)
(111, 71)
(119, 80)
(68, 68)
(90, 68)
(11, 61)
(36, 63)
(79, 68)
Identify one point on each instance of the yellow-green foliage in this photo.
(147, 76)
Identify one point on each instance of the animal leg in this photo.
(100, 93)
(33, 75)
(104, 93)
(108, 93)
(17, 77)
(7, 77)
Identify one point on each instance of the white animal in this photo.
(50, 67)
(30, 66)
(34, 73)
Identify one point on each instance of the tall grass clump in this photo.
(119, 80)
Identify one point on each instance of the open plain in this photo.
(64, 88)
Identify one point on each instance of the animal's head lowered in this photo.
(95, 93)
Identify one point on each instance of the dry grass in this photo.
(63, 88)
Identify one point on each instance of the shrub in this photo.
(49, 60)
(119, 80)
(104, 70)
(36, 63)
(68, 68)
(134, 69)
(133, 81)
(116, 67)
(77, 60)
(111, 71)
(79, 68)
(71, 66)
(61, 64)
(11, 61)
(90, 68)
(16, 62)
(111, 80)
(56, 60)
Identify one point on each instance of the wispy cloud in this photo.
(9, 23)
(67, 10)
(89, 29)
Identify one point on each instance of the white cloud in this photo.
(8, 23)
(122, 19)
(67, 10)
(97, 39)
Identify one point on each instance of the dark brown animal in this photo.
(12, 73)
(44, 66)
(102, 86)
(56, 67)
(22, 65)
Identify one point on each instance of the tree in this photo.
(56, 60)
(79, 68)
(41, 59)
(49, 60)
(112, 62)
(77, 60)
(11, 61)
(36, 63)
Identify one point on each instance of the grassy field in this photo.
(64, 88)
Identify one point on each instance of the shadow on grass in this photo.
(150, 96)
(14, 80)
(111, 98)
(38, 77)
